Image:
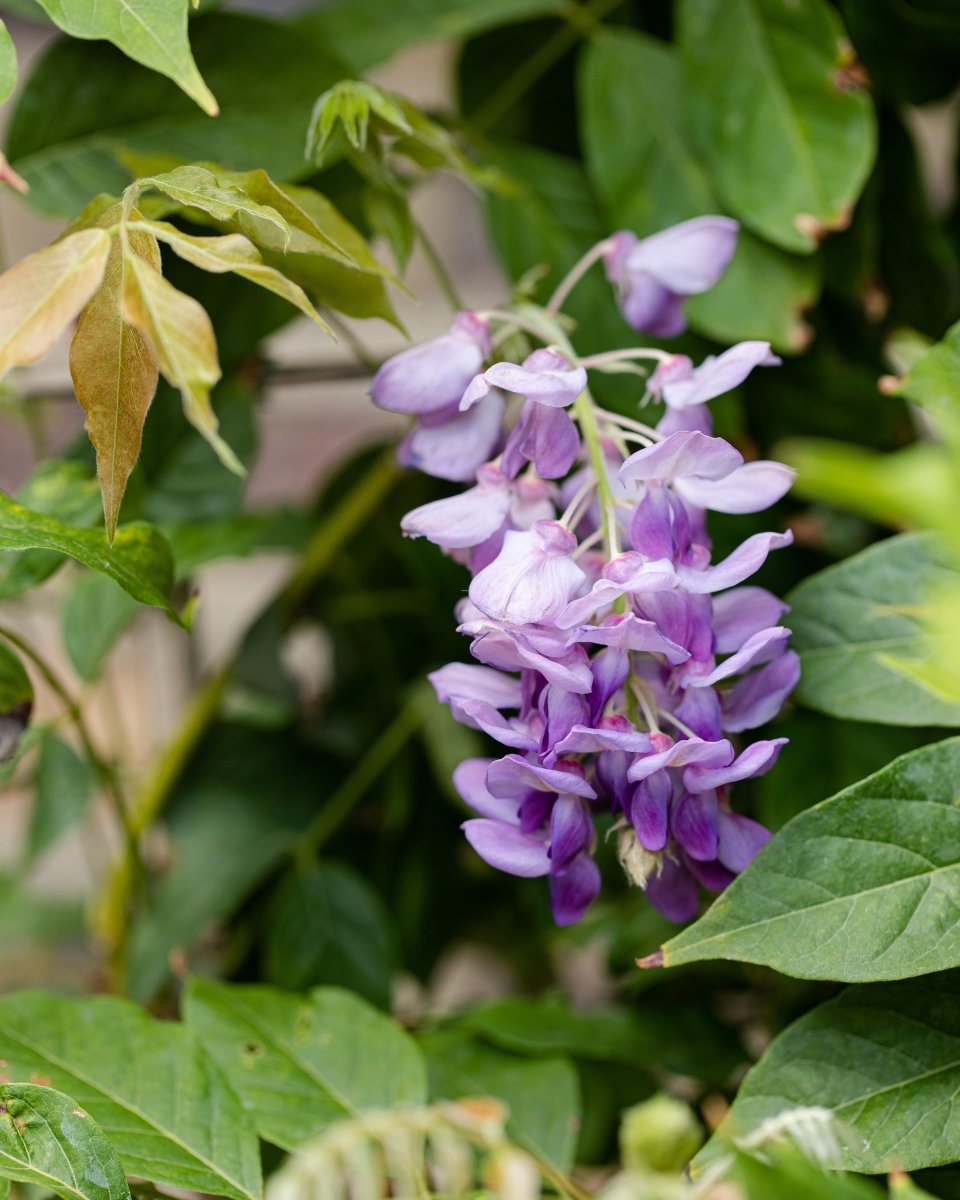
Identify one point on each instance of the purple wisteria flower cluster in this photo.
(614, 660)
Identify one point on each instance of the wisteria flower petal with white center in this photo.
(427, 378)
(687, 453)
(532, 578)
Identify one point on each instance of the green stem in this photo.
(343, 801)
(440, 272)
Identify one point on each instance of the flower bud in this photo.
(661, 1134)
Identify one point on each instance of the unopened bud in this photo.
(661, 1134)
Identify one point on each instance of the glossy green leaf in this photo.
(884, 1059)
(62, 787)
(300, 1063)
(61, 489)
(85, 105)
(139, 559)
(166, 1108)
(863, 886)
(48, 1141)
(787, 131)
(847, 618)
(543, 1097)
(95, 614)
(365, 33)
(327, 925)
(153, 33)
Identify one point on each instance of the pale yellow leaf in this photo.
(115, 371)
(236, 253)
(45, 291)
(183, 338)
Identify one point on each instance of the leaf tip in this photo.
(656, 959)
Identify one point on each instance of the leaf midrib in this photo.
(126, 1105)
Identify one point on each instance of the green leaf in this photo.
(300, 1063)
(235, 253)
(884, 1059)
(163, 1104)
(352, 104)
(789, 136)
(198, 187)
(153, 33)
(114, 368)
(8, 64)
(85, 106)
(59, 488)
(183, 340)
(45, 291)
(16, 702)
(861, 887)
(365, 33)
(543, 1097)
(46, 1140)
(934, 382)
(61, 792)
(327, 925)
(781, 1171)
(139, 559)
(847, 617)
(94, 615)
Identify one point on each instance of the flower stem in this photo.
(625, 355)
(440, 272)
(573, 277)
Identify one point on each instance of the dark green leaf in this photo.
(84, 104)
(910, 50)
(164, 1105)
(301, 1063)
(328, 926)
(139, 559)
(787, 130)
(860, 887)
(846, 617)
(543, 1097)
(47, 1141)
(95, 614)
(884, 1059)
(16, 701)
(61, 793)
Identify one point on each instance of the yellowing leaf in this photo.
(238, 254)
(45, 291)
(152, 32)
(183, 338)
(115, 370)
(198, 187)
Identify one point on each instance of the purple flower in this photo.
(467, 519)
(682, 385)
(449, 444)
(431, 377)
(654, 275)
(532, 577)
(545, 437)
(545, 377)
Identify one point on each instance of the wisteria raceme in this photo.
(614, 659)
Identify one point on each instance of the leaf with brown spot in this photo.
(115, 371)
(182, 336)
(45, 291)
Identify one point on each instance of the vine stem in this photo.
(573, 277)
(440, 272)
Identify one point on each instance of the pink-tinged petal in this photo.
(470, 780)
(740, 565)
(693, 822)
(758, 697)
(507, 849)
(464, 681)
(573, 889)
(461, 521)
(679, 455)
(513, 776)
(609, 735)
(742, 612)
(750, 488)
(681, 754)
(715, 376)
(740, 840)
(546, 377)
(427, 378)
(760, 648)
(690, 257)
(629, 632)
(456, 448)
(532, 578)
(571, 829)
(649, 806)
(673, 891)
(754, 761)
